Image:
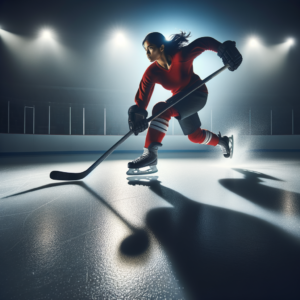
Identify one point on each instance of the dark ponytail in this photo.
(175, 42)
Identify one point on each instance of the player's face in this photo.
(153, 53)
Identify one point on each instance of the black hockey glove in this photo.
(230, 55)
(137, 119)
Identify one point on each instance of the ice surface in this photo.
(203, 227)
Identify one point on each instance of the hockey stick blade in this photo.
(58, 175)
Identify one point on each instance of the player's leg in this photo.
(191, 125)
(156, 132)
(159, 126)
(203, 136)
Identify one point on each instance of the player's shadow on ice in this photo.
(252, 188)
(223, 254)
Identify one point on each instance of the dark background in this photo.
(86, 68)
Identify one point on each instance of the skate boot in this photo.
(147, 159)
(226, 144)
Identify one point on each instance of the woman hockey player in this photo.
(172, 68)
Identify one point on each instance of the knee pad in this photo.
(158, 107)
(171, 112)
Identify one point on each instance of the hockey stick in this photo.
(58, 175)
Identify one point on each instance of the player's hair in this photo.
(172, 45)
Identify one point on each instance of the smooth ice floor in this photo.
(203, 227)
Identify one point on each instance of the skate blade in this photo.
(231, 146)
(152, 169)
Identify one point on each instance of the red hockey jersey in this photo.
(179, 76)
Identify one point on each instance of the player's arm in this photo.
(198, 46)
(227, 51)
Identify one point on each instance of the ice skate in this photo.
(226, 144)
(147, 160)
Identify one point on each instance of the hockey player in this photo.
(172, 68)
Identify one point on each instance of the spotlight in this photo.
(46, 34)
(253, 42)
(120, 38)
(290, 41)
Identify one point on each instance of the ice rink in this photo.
(203, 227)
